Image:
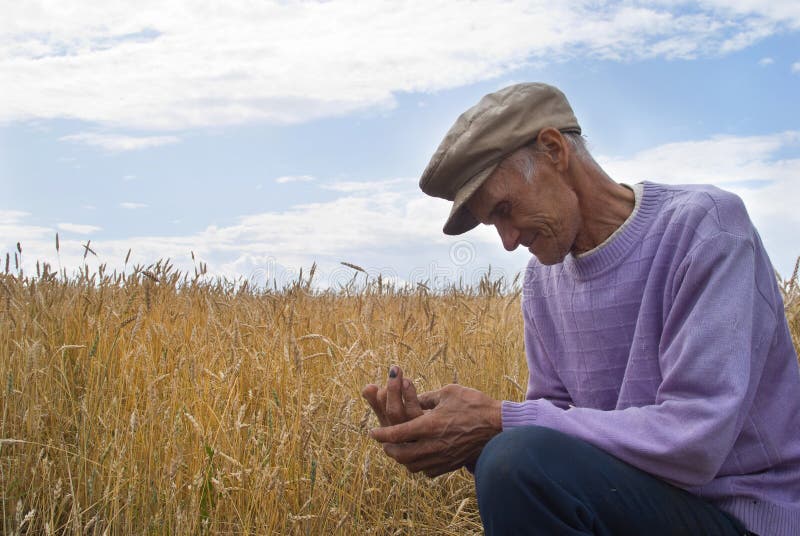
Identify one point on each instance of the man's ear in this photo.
(553, 144)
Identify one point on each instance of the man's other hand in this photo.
(453, 433)
(397, 402)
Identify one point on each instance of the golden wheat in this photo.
(157, 403)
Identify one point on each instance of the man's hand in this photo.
(397, 402)
(453, 433)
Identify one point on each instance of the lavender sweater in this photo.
(667, 346)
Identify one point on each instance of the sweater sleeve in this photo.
(711, 356)
(543, 380)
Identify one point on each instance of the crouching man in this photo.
(664, 392)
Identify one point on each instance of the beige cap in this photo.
(481, 137)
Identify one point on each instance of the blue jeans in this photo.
(535, 480)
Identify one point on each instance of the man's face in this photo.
(542, 215)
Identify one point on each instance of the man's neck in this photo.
(604, 206)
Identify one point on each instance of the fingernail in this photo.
(393, 372)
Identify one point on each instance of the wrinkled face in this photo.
(542, 215)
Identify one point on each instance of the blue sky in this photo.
(267, 136)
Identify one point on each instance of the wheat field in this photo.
(158, 403)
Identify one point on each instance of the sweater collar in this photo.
(612, 252)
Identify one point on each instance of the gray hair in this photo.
(525, 163)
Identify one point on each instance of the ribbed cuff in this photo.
(519, 413)
(764, 518)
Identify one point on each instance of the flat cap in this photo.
(481, 137)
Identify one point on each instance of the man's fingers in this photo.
(382, 403)
(421, 427)
(370, 394)
(430, 399)
(413, 408)
(413, 453)
(433, 466)
(426, 456)
(395, 411)
(439, 470)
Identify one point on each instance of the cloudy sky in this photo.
(264, 136)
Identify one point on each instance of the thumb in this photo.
(430, 399)
(413, 408)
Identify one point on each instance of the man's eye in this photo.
(501, 210)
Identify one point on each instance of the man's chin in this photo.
(547, 260)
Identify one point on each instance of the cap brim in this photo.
(460, 219)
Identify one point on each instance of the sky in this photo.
(263, 137)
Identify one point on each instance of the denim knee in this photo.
(526, 449)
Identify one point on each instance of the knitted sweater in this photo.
(668, 347)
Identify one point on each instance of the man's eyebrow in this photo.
(495, 209)
(483, 219)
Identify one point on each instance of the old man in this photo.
(664, 392)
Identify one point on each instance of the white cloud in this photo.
(132, 206)
(766, 61)
(293, 178)
(13, 229)
(756, 168)
(796, 67)
(117, 143)
(786, 12)
(716, 160)
(78, 228)
(368, 186)
(396, 230)
(128, 178)
(179, 64)
(9, 217)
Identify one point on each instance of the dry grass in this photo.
(790, 289)
(153, 403)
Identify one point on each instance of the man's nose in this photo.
(509, 235)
